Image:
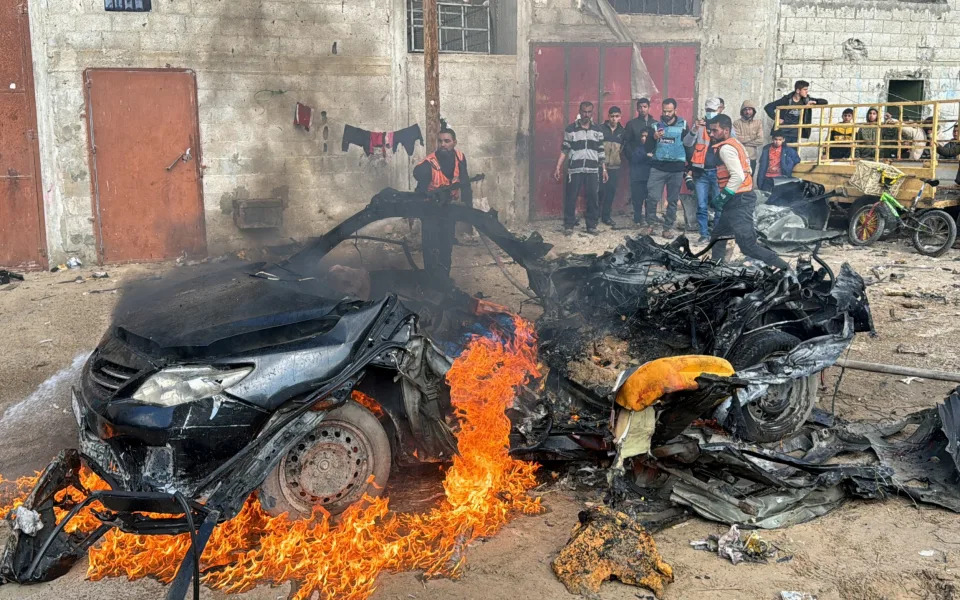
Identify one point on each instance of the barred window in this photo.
(463, 27)
(127, 5)
(657, 7)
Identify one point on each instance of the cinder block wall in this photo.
(748, 49)
(245, 53)
(850, 49)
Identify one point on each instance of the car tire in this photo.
(331, 466)
(784, 408)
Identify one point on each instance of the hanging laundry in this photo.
(355, 136)
(371, 141)
(407, 138)
(303, 116)
(376, 142)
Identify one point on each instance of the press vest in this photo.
(670, 146)
(723, 175)
(438, 179)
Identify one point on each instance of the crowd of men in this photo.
(722, 161)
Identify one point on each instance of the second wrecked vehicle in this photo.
(264, 378)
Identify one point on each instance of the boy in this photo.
(640, 161)
(777, 160)
(612, 149)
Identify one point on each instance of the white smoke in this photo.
(52, 397)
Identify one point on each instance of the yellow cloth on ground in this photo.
(665, 375)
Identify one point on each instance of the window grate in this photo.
(127, 5)
(463, 27)
(657, 7)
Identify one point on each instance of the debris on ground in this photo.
(794, 216)
(736, 548)
(608, 544)
(768, 486)
(7, 276)
(904, 349)
(796, 596)
(25, 520)
(74, 263)
(100, 275)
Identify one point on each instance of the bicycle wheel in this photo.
(935, 233)
(866, 225)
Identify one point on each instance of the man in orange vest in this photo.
(737, 200)
(445, 167)
(703, 165)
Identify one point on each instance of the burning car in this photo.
(253, 378)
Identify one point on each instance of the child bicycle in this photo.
(933, 231)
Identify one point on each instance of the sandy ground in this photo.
(864, 550)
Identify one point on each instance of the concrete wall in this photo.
(849, 50)
(749, 49)
(254, 60)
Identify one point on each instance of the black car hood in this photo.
(195, 316)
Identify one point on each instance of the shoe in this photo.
(639, 224)
(645, 230)
(568, 231)
(703, 239)
(610, 223)
(668, 233)
(592, 230)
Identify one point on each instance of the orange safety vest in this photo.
(699, 157)
(723, 175)
(440, 180)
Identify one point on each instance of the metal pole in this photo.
(895, 370)
(431, 72)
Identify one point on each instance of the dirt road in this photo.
(865, 550)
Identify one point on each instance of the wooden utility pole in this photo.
(431, 71)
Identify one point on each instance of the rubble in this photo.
(607, 544)
(736, 548)
(687, 333)
(8, 276)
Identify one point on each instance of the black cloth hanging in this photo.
(406, 137)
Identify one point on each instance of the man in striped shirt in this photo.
(582, 150)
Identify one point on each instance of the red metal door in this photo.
(549, 120)
(565, 74)
(145, 155)
(615, 70)
(22, 237)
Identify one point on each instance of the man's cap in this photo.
(712, 104)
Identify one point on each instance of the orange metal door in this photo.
(22, 240)
(145, 156)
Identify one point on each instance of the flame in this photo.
(367, 402)
(484, 488)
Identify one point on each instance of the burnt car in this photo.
(259, 377)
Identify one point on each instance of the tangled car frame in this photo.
(209, 389)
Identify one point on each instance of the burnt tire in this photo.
(784, 408)
(936, 233)
(331, 466)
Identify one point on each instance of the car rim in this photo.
(330, 466)
(777, 403)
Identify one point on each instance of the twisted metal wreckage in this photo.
(171, 422)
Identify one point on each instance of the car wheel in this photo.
(784, 408)
(330, 467)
